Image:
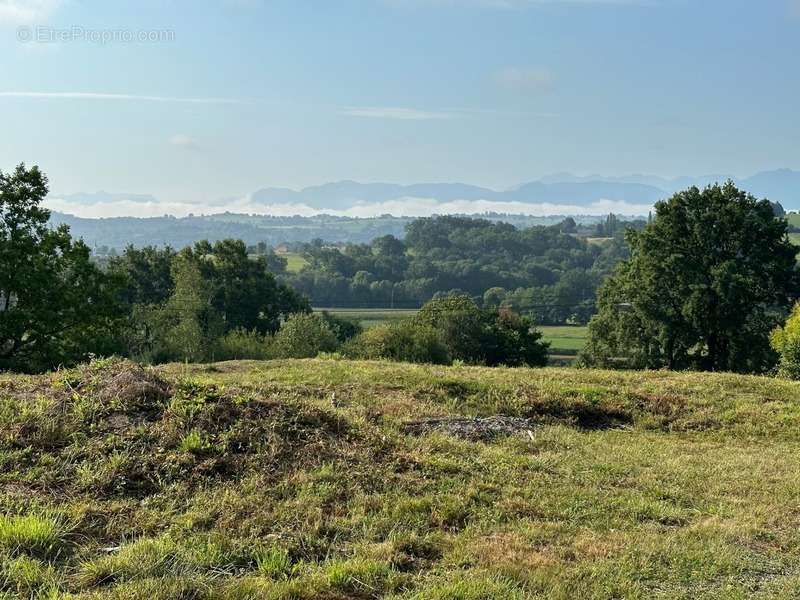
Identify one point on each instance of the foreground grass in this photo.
(297, 479)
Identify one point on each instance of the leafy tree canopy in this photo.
(55, 305)
(706, 281)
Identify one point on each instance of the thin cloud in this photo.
(397, 113)
(128, 97)
(401, 207)
(15, 12)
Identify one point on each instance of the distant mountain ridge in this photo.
(781, 185)
(346, 194)
(561, 189)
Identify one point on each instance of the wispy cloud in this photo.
(187, 142)
(520, 78)
(128, 97)
(398, 113)
(15, 12)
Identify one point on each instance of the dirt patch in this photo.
(472, 428)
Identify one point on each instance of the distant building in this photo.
(281, 249)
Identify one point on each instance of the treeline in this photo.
(203, 303)
(547, 272)
(215, 302)
(111, 235)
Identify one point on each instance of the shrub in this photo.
(491, 337)
(516, 342)
(406, 340)
(242, 344)
(786, 342)
(342, 327)
(304, 335)
(461, 325)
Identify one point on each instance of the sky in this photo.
(205, 102)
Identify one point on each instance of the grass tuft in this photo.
(37, 535)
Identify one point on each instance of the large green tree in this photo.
(706, 281)
(55, 305)
(243, 291)
(146, 272)
(182, 303)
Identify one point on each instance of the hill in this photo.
(336, 479)
(118, 232)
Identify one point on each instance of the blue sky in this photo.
(243, 94)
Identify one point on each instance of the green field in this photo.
(328, 479)
(295, 261)
(566, 339)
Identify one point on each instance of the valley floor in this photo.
(340, 479)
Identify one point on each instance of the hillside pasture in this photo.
(337, 479)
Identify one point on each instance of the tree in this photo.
(146, 272)
(490, 337)
(304, 335)
(493, 297)
(55, 305)
(343, 328)
(705, 283)
(193, 323)
(516, 342)
(785, 341)
(243, 291)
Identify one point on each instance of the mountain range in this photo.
(563, 190)
(782, 185)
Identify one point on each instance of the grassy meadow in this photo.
(314, 479)
(294, 262)
(565, 339)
